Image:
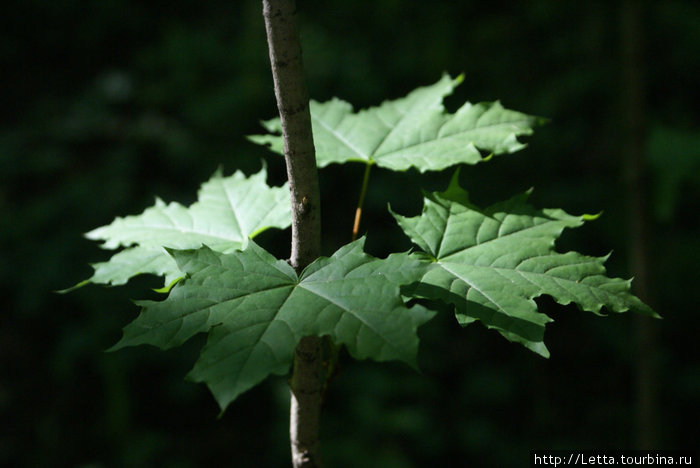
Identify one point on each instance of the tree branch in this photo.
(293, 104)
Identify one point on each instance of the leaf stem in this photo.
(361, 201)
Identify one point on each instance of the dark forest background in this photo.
(107, 104)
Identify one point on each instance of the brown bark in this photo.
(293, 104)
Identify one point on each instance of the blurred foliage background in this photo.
(107, 104)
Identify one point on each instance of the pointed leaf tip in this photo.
(591, 217)
(73, 288)
(166, 289)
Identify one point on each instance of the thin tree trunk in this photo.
(634, 123)
(293, 104)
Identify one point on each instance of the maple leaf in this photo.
(491, 263)
(229, 210)
(256, 309)
(414, 131)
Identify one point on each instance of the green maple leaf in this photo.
(229, 210)
(414, 131)
(256, 309)
(491, 263)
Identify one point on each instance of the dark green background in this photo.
(108, 104)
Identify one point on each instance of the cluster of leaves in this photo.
(488, 263)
